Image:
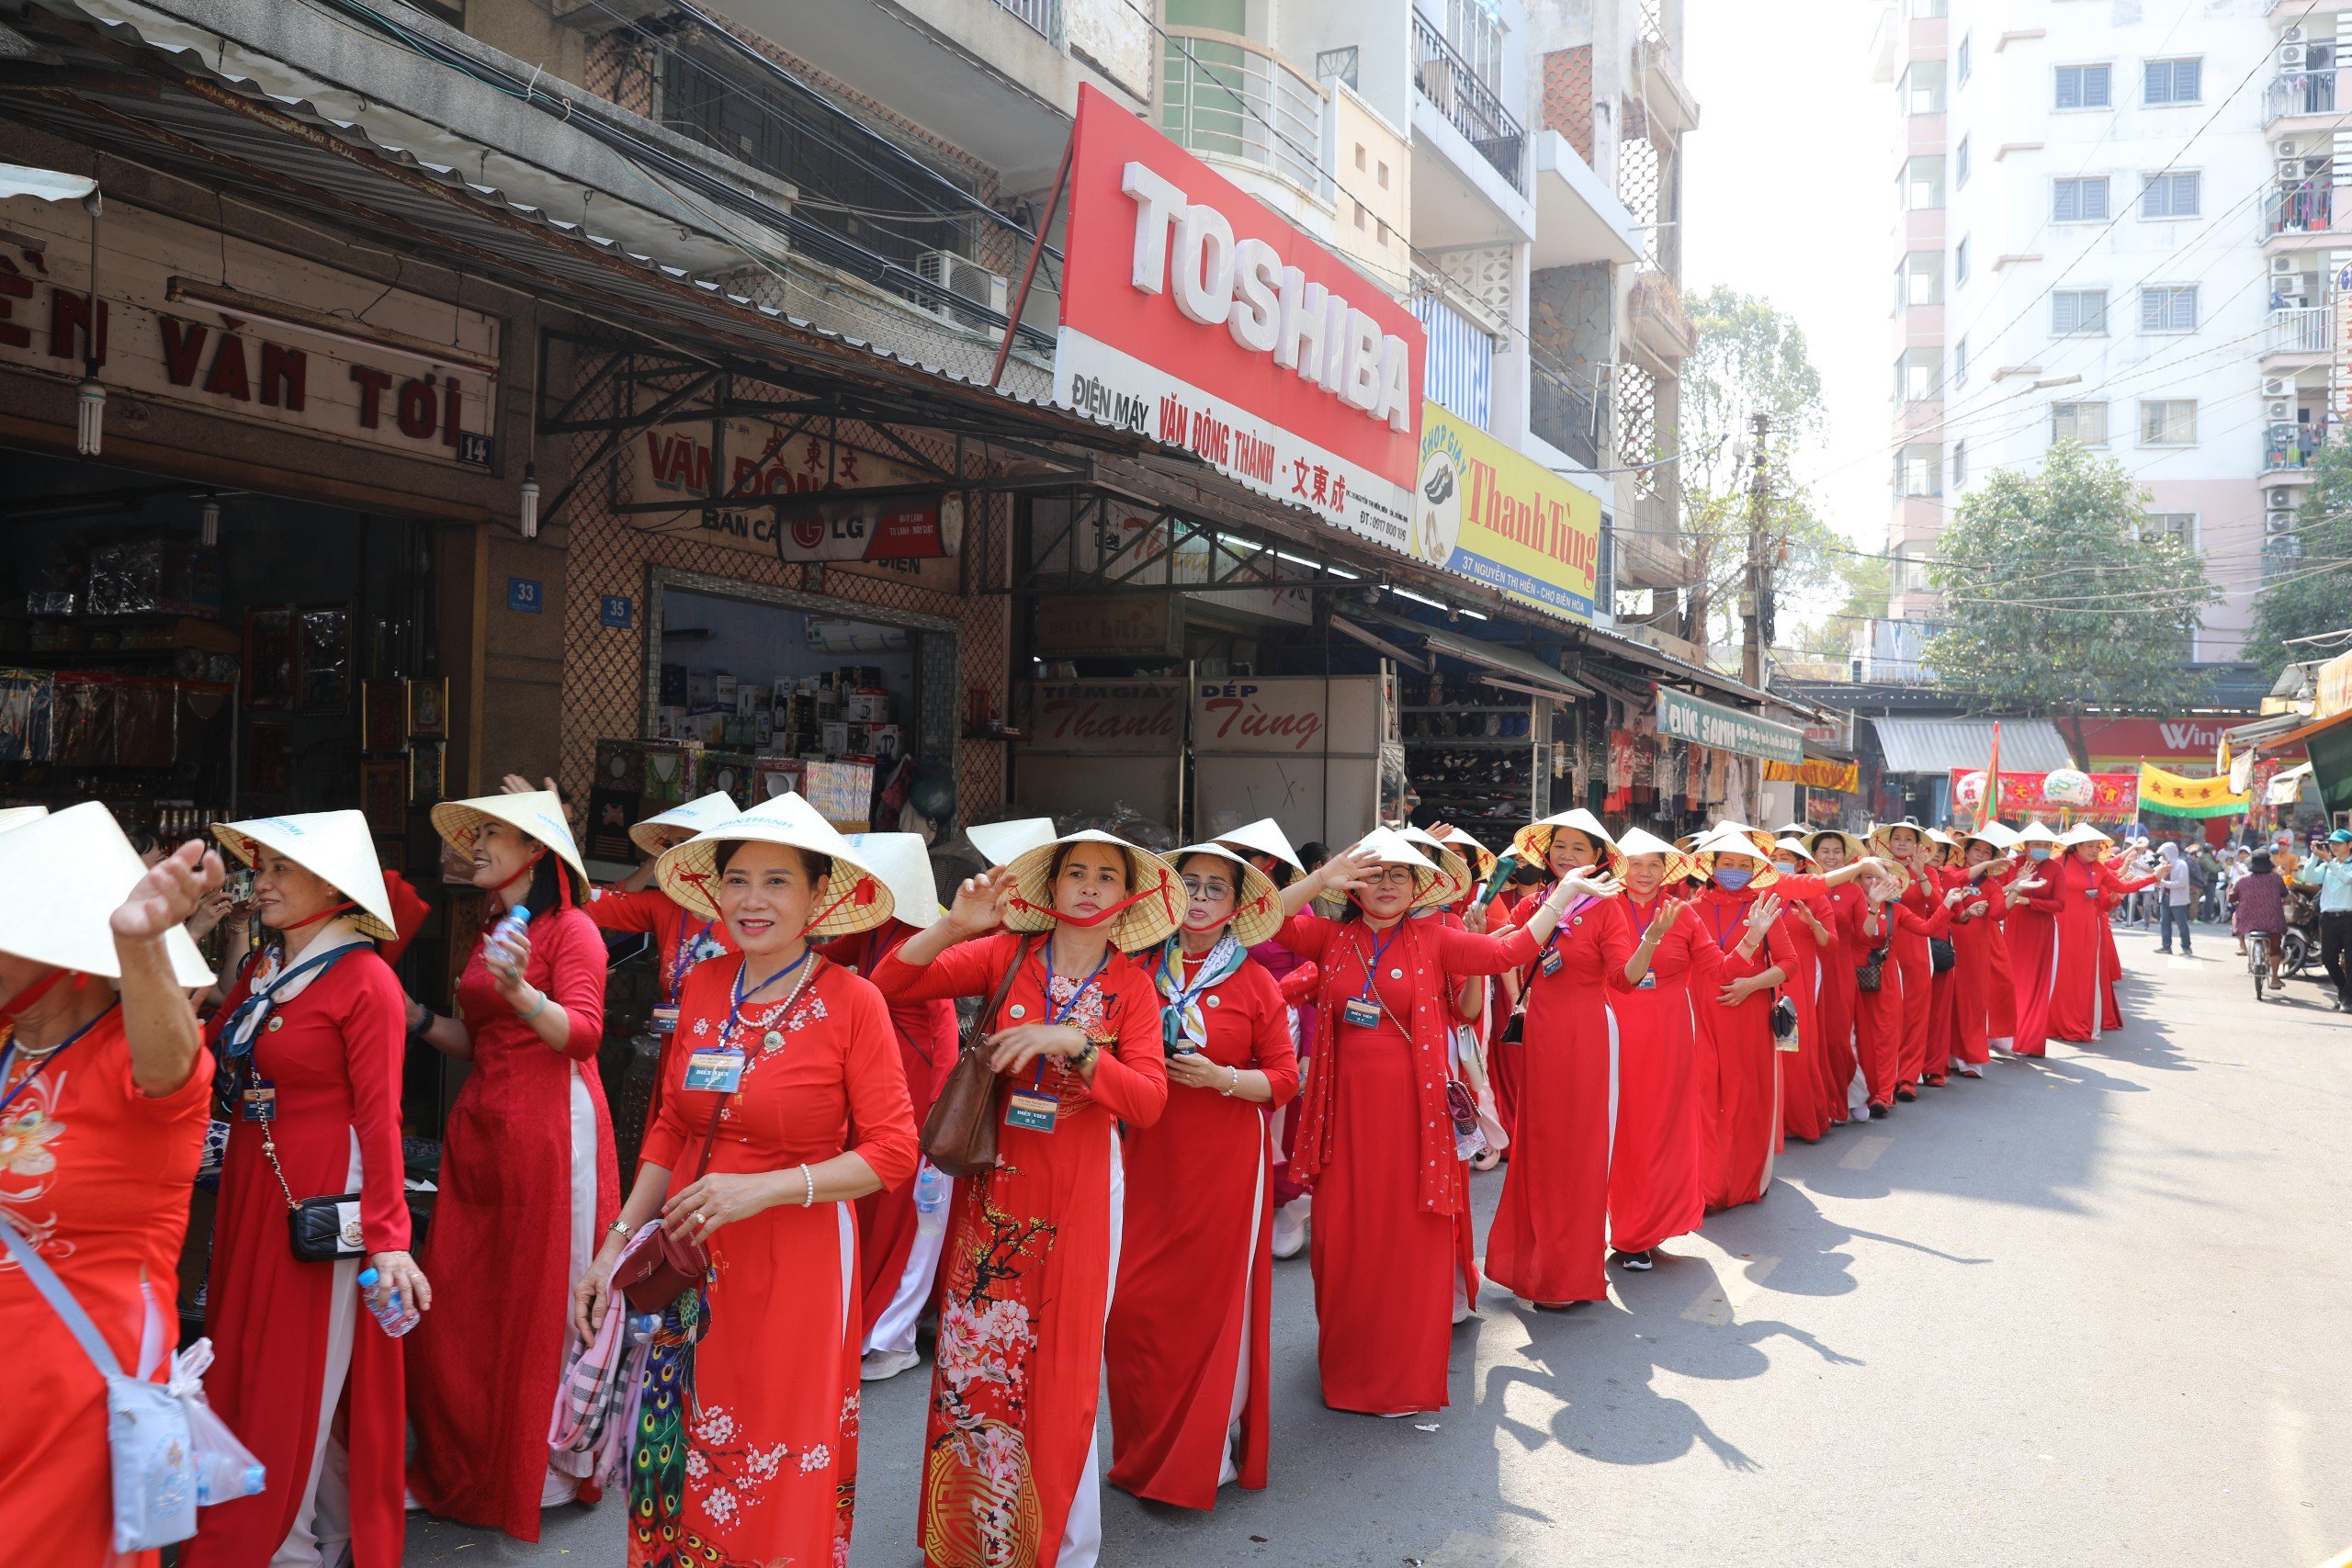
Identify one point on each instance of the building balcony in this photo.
(1448, 84)
(1655, 311)
(1578, 219)
(2297, 336)
(1564, 415)
(1667, 98)
(1232, 100)
(1649, 552)
(2298, 217)
(2288, 451)
(2300, 101)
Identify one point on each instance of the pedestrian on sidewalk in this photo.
(2333, 877)
(2175, 885)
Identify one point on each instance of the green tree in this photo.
(2058, 600)
(1750, 360)
(2306, 595)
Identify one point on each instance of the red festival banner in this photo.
(2097, 797)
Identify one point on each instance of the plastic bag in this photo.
(225, 1468)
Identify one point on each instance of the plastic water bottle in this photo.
(511, 925)
(931, 1192)
(392, 1313)
(224, 1479)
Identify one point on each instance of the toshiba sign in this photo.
(1191, 314)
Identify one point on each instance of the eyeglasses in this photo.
(1208, 888)
(1390, 876)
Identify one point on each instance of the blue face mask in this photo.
(1785, 867)
(2039, 851)
(1734, 880)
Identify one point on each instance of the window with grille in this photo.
(1476, 33)
(2084, 423)
(2169, 309)
(2082, 87)
(2171, 81)
(2168, 422)
(2078, 312)
(1959, 464)
(2081, 200)
(2171, 196)
(1960, 262)
(1960, 162)
(1637, 426)
(2181, 525)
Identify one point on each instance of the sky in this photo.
(1789, 195)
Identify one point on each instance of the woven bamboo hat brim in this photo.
(1257, 903)
(1392, 848)
(1481, 858)
(1452, 867)
(1642, 842)
(536, 812)
(1264, 837)
(1731, 839)
(334, 846)
(901, 862)
(851, 899)
(1531, 845)
(680, 823)
(1152, 882)
(69, 872)
(2000, 835)
(1855, 848)
(1797, 847)
(1002, 843)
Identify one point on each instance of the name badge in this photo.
(1552, 961)
(1360, 1011)
(1649, 983)
(258, 1103)
(1031, 1107)
(717, 1068)
(662, 1021)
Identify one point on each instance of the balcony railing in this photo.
(2305, 206)
(2298, 330)
(1230, 96)
(1563, 415)
(1043, 16)
(1462, 96)
(2290, 448)
(2300, 92)
(1655, 306)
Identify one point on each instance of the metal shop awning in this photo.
(1940, 745)
(1511, 668)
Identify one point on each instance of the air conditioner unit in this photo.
(2290, 299)
(2290, 57)
(2291, 35)
(2280, 410)
(2281, 500)
(2278, 522)
(2277, 387)
(2288, 150)
(2282, 267)
(965, 280)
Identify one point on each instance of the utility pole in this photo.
(1759, 496)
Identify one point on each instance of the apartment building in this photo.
(2110, 226)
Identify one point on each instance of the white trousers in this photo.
(1082, 1535)
(321, 1534)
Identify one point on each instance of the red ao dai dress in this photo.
(1010, 1471)
(769, 1424)
(1747, 1069)
(1657, 1187)
(1191, 1319)
(1377, 1147)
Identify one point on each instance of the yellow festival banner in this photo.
(2177, 794)
(1817, 773)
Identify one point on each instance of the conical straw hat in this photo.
(2084, 833)
(1147, 922)
(1881, 837)
(1641, 841)
(1257, 903)
(1855, 849)
(70, 872)
(1794, 846)
(851, 899)
(1730, 838)
(1002, 843)
(901, 862)
(18, 816)
(1392, 848)
(334, 846)
(680, 823)
(537, 812)
(1481, 858)
(1451, 869)
(1531, 845)
(1264, 837)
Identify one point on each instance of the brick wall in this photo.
(1567, 96)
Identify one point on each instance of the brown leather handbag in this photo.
(652, 1276)
(959, 1134)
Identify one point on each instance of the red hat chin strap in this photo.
(861, 893)
(326, 914)
(1088, 922)
(15, 1006)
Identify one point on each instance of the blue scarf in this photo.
(1183, 1019)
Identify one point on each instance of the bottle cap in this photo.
(369, 1276)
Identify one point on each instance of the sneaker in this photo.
(2165, 950)
(1637, 1262)
(881, 1366)
(1290, 1231)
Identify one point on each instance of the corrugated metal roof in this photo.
(1940, 745)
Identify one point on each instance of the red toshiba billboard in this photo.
(1191, 314)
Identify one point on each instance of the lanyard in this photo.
(1075, 997)
(243, 1023)
(735, 1005)
(1372, 965)
(10, 1056)
(681, 959)
(1567, 917)
(1715, 919)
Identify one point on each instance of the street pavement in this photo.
(2086, 1311)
